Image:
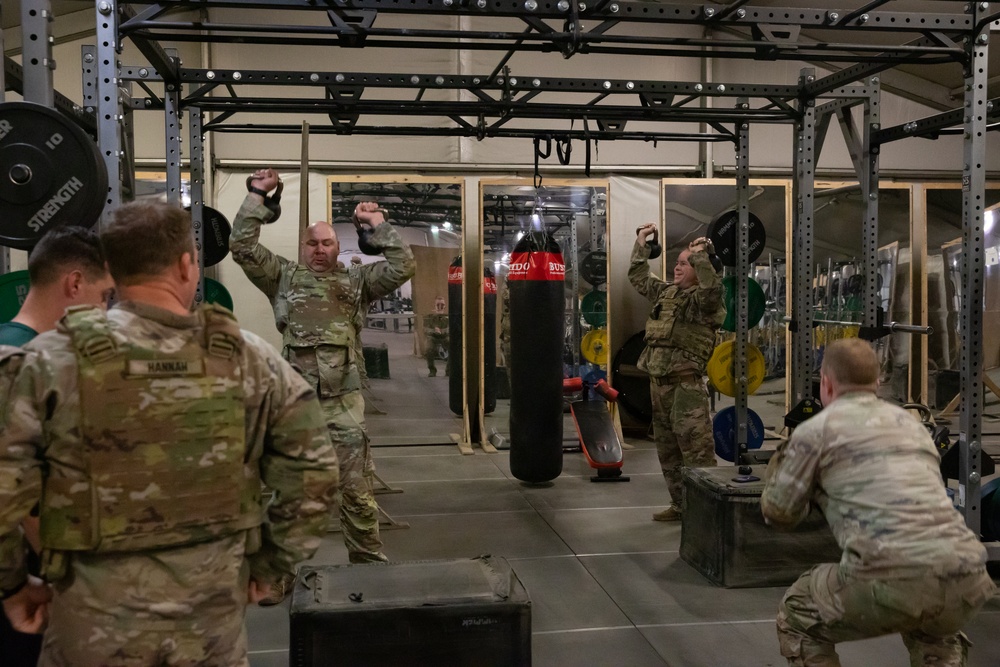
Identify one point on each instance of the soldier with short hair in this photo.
(910, 565)
(65, 268)
(680, 338)
(145, 434)
(316, 308)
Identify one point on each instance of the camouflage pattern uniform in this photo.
(436, 333)
(318, 316)
(145, 436)
(505, 324)
(909, 565)
(680, 338)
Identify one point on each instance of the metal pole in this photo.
(740, 371)
(198, 195)
(973, 292)
(803, 187)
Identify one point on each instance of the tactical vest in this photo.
(672, 327)
(316, 309)
(319, 313)
(163, 437)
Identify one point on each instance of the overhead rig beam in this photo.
(479, 105)
(576, 28)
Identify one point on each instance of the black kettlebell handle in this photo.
(654, 246)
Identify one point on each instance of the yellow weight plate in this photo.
(720, 368)
(594, 347)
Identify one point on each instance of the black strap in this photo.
(257, 191)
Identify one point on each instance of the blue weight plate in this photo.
(724, 432)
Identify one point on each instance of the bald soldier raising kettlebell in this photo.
(316, 309)
(680, 337)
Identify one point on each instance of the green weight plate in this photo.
(13, 289)
(51, 174)
(594, 307)
(215, 292)
(755, 303)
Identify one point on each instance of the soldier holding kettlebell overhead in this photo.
(316, 308)
(680, 338)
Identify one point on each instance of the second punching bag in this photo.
(456, 360)
(537, 307)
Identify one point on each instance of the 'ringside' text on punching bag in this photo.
(456, 359)
(537, 307)
(490, 340)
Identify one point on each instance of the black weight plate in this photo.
(51, 174)
(722, 232)
(216, 235)
(594, 268)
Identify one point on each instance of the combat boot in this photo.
(278, 592)
(672, 513)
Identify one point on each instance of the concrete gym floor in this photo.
(607, 585)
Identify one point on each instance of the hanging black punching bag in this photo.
(490, 341)
(456, 362)
(537, 307)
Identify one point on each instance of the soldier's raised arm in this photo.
(644, 283)
(260, 265)
(381, 278)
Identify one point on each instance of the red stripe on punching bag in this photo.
(537, 266)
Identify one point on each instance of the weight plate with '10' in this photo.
(51, 174)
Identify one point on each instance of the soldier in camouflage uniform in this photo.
(316, 308)
(436, 334)
(909, 565)
(145, 434)
(680, 338)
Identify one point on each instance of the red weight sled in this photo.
(599, 439)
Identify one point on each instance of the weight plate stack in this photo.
(51, 174)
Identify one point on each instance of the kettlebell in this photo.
(654, 246)
(365, 241)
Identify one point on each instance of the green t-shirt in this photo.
(16, 334)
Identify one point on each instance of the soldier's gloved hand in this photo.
(644, 233)
(703, 244)
(260, 183)
(263, 180)
(28, 609)
(368, 213)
